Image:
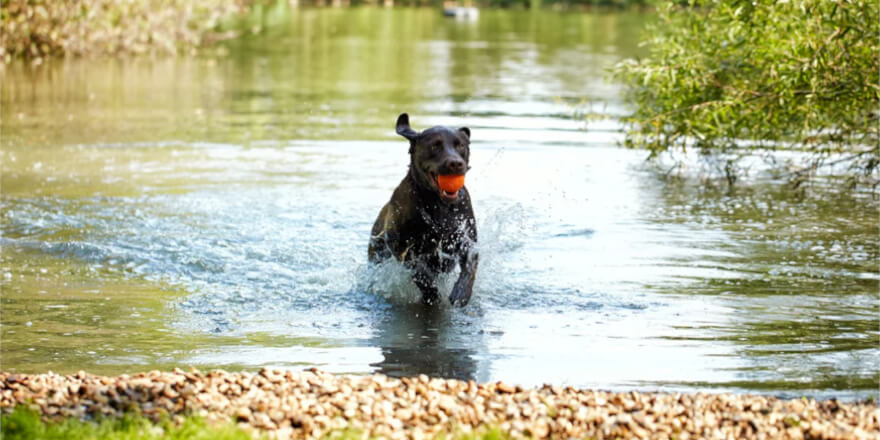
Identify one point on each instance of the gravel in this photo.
(310, 404)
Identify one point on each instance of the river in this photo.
(214, 211)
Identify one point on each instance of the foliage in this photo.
(23, 423)
(34, 29)
(730, 76)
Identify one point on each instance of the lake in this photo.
(214, 211)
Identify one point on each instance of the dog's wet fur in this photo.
(425, 227)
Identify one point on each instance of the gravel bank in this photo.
(312, 403)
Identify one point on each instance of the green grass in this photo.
(24, 423)
(489, 434)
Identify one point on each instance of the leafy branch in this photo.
(739, 75)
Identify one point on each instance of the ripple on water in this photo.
(673, 275)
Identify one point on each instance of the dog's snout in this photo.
(455, 165)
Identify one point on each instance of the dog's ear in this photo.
(466, 131)
(404, 129)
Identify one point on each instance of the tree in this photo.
(733, 77)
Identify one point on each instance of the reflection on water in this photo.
(800, 274)
(425, 340)
(330, 74)
(215, 212)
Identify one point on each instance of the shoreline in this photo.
(40, 31)
(37, 31)
(312, 404)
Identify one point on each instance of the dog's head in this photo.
(434, 152)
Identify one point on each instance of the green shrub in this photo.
(727, 76)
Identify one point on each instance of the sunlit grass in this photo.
(34, 29)
(23, 423)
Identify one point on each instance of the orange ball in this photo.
(451, 182)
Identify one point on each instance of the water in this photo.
(214, 211)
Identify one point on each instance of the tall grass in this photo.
(34, 29)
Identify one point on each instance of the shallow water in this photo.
(214, 211)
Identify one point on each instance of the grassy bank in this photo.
(36, 29)
(25, 424)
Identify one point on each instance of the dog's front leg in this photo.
(464, 285)
(424, 280)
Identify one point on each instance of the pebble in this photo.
(311, 404)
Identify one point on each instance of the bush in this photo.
(732, 76)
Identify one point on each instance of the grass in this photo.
(23, 423)
(35, 29)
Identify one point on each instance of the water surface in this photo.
(214, 211)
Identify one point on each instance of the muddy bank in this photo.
(312, 403)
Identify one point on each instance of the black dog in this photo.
(424, 226)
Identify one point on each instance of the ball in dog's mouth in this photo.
(450, 185)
